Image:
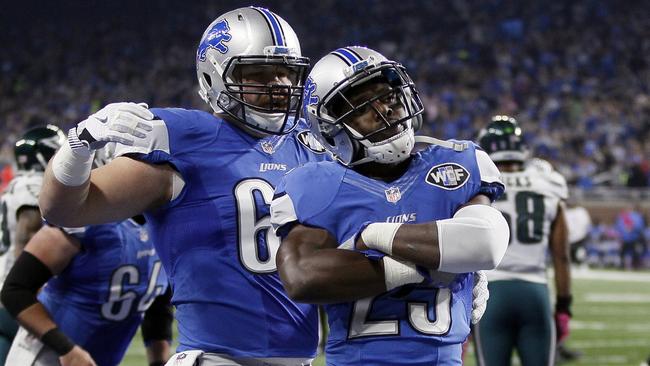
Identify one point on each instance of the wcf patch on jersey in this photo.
(308, 140)
(448, 176)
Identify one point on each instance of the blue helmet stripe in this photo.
(274, 25)
(351, 57)
(340, 56)
(354, 52)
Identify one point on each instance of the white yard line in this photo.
(605, 360)
(594, 274)
(616, 297)
(628, 327)
(610, 343)
(643, 310)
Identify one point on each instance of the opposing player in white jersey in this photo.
(19, 215)
(204, 182)
(519, 312)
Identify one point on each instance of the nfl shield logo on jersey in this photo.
(144, 234)
(393, 194)
(268, 147)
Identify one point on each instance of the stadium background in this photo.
(576, 74)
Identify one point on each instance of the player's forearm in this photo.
(563, 278)
(18, 296)
(559, 246)
(158, 352)
(476, 238)
(330, 276)
(36, 320)
(418, 243)
(561, 265)
(27, 225)
(61, 204)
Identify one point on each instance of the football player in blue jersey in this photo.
(534, 208)
(19, 215)
(420, 222)
(205, 182)
(106, 277)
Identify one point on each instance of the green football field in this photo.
(610, 326)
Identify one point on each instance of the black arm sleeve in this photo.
(158, 319)
(23, 281)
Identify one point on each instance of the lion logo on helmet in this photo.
(216, 37)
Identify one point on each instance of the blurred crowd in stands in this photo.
(576, 74)
(620, 243)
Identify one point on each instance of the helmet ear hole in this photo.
(208, 79)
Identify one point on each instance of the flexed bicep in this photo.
(119, 190)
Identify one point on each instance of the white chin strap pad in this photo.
(393, 150)
(476, 238)
(267, 121)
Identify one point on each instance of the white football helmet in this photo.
(251, 37)
(329, 84)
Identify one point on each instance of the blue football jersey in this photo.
(413, 324)
(214, 238)
(100, 297)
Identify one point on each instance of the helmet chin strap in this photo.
(387, 151)
(434, 141)
(417, 140)
(268, 121)
(256, 123)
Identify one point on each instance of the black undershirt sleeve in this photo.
(23, 281)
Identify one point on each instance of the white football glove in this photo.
(480, 296)
(117, 122)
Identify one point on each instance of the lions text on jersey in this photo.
(529, 206)
(414, 324)
(214, 238)
(99, 299)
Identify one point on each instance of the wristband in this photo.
(56, 340)
(380, 236)
(157, 363)
(72, 163)
(563, 304)
(398, 273)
